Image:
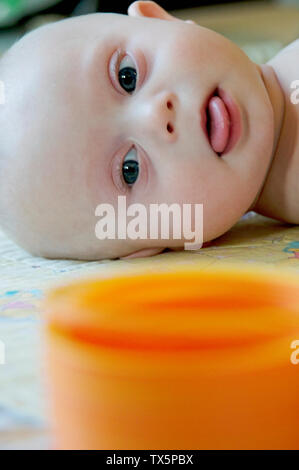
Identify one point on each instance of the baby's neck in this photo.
(277, 98)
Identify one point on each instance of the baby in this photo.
(144, 106)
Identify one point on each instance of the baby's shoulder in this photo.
(290, 50)
(287, 60)
(292, 47)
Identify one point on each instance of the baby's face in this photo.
(76, 119)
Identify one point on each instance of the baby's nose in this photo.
(158, 116)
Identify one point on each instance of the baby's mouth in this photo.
(218, 123)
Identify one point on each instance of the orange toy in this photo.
(176, 360)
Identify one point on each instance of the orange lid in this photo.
(186, 309)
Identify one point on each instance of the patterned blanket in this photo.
(24, 279)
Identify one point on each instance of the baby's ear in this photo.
(151, 10)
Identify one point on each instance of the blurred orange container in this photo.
(185, 359)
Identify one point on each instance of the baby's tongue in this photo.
(219, 124)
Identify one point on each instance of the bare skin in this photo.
(280, 194)
(76, 124)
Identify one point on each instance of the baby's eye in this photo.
(127, 75)
(130, 167)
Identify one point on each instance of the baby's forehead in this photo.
(100, 25)
(107, 21)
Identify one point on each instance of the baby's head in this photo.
(70, 119)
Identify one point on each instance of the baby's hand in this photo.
(152, 10)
